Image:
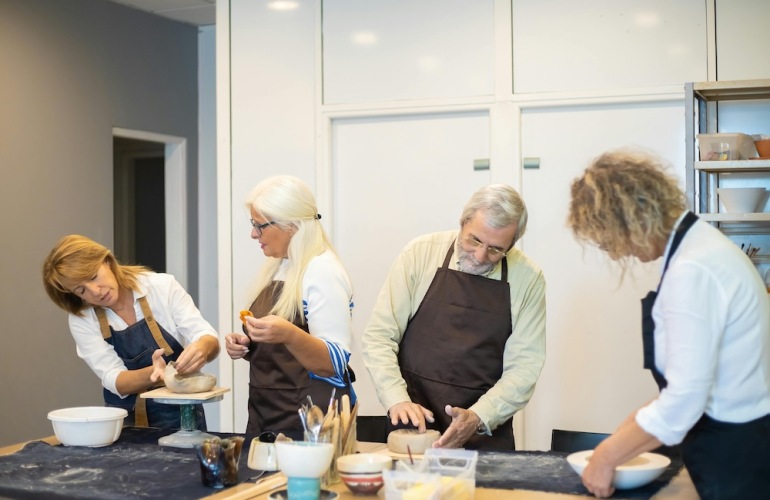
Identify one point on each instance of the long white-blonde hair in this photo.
(288, 202)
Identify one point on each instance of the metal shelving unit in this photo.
(703, 176)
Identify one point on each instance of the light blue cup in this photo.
(304, 463)
(304, 488)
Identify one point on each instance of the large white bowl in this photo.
(637, 472)
(304, 458)
(741, 200)
(92, 426)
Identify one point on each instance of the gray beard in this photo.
(467, 263)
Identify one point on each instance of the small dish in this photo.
(637, 472)
(284, 495)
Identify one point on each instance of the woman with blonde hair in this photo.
(705, 331)
(127, 321)
(298, 339)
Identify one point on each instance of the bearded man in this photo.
(456, 341)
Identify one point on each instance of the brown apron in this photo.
(452, 349)
(278, 383)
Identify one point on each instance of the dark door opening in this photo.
(139, 210)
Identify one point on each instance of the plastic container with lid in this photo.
(726, 146)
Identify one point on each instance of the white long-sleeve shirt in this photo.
(172, 307)
(712, 337)
(327, 300)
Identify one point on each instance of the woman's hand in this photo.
(158, 366)
(237, 345)
(270, 329)
(197, 354)
(597, 476)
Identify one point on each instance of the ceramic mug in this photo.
(262, 456)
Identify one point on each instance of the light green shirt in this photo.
(400, 297)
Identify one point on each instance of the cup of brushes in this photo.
(336, 427)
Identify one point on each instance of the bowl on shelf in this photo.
(362, 472)
(638, 471)
(92, 426)
(763, 147)
(741, 200)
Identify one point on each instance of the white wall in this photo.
(572, 110)
(71, 72)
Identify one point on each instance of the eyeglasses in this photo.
(493, 252)
(259, 227)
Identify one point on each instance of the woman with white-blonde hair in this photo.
(298, 337)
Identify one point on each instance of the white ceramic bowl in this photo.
(362, 472)
(741, 200)
(637, 472)
(304, 458)
(92, 426)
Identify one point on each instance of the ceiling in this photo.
(195, 12)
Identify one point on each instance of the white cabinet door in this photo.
(407, 49)
(742, 39)
(593, 375)
(396, 178)
(607, 44)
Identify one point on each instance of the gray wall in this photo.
(70, 71)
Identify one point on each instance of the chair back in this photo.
(572, 441)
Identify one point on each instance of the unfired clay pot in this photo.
(188, 383)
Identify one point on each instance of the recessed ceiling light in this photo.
(283, 5)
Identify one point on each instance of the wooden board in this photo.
(166, 393)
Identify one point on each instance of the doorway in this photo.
(150, 210)
(139, 212)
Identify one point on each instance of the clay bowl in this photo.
(763, 147)
(362, 472)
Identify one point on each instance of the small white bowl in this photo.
(741, 200)
(637, 472)
(362, 472)
(304, 458)
(92, 426)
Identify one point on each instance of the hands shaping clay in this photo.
(188, 383)
(406, 440)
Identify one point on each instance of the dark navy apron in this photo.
(278, 384)
(135, 346)
(452, 350)
(726, 461)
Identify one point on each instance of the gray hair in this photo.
(502, 206)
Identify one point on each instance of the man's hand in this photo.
(463, 427)
(407, 412)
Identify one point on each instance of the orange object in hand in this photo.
(244, 314)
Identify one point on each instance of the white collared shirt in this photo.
(712, 337)
(172, 307)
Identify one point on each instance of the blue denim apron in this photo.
(726, 461)
(135, 346)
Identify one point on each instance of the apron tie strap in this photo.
(167, 350)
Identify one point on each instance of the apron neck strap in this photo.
(503, 272)
(104, 325)
(684, 226)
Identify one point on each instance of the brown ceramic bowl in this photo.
(763, 148)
